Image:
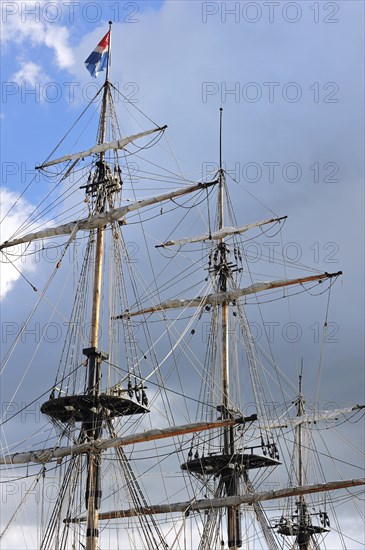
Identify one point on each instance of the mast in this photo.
(303, 537)
(94, 428)
(223, 287)
(301, 503)
(230, 464)
(229, 477)
(300, 524)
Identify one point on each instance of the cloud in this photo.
(18, 213)
(30, 73)
(57, 38)
(23, 27)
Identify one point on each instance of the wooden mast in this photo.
(223, 288)
(300, 464)
(93, 489)
(229, 477)
(303, 537)
(302, 527)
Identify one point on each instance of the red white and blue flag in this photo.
(98, 59)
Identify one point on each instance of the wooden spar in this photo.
(104, 218)
(101, 148)
(46, 455)
(209, 504)
(313, 418)
(216, 299)
(220, 233)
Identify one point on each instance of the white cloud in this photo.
(30, 73)
(57, 38)
(22, 26)
(17, 215)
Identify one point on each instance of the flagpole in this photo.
(109, 49)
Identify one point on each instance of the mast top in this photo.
(109, 52)
(301, 377)
(220, 139)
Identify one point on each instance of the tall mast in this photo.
(223, 286)
(300, 525)
(94, 428)
(95, 317)
(300, 413)
(230, 478)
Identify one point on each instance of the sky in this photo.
(290, 78)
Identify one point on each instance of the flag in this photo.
(98, 59)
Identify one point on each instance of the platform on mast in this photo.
(214, 464)
(78, 408)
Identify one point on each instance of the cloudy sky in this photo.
(290, 78)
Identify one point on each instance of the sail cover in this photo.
(220, 233)
(225, 297)
(320, 416)
(102, 219)
(102, 148)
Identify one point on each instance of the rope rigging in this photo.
(117, 375)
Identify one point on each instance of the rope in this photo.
(323, 346)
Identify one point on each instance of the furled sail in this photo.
(56, 453)
(320, 416)
(214, 503)
(102, 219)
(220, 234)
(224, 297)
(102, 147)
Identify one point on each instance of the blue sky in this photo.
(39, 47)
